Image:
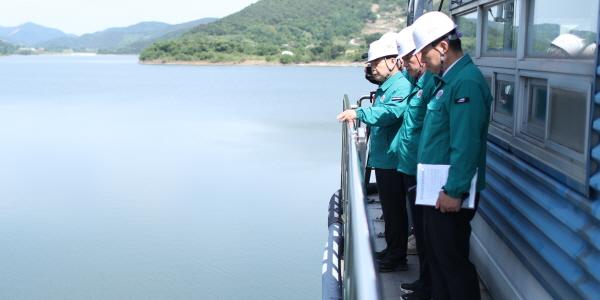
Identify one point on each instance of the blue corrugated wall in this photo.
(554, 230)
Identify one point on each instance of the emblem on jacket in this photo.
(439, 94)
(420, 93)
(462, 100)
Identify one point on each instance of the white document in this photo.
(431, 179)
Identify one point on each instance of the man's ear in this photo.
(445, 45)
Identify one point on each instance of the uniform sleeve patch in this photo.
(462, 100)
(398, 99)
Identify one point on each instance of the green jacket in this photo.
(406, 143)
(384, 118)
(456, 126)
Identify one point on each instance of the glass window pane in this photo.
(562, 29)
(567, 118)
(537, 108)
(467, 25)
(505, 91)
(501, 27)
(535, 120)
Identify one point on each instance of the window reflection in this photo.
(467, 25)
(562, 29)
(504, 97)
(501, 27)
(568, 118)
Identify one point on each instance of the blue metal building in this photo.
(537, 234)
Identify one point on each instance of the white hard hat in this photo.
(405, 42)
(589, 50)
(389, 35)
(382, 48)
(430, 27)
(571, 43)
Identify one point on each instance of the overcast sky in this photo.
(85, 16)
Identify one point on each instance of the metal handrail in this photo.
(359, 275)
(360, 100)
(349, 230)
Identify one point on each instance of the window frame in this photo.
(561, 158)
(484, 10)
(538, 132)
(505, 122)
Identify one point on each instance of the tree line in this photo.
(285, 31)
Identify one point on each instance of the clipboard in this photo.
(431, 179)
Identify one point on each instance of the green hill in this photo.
(6, 48)
(283, 30)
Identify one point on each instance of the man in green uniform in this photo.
(454, 133)
(406, 144)
(385, 117)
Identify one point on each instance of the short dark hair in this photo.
(454, 44)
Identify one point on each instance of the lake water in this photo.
(127, 181)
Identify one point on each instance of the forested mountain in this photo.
(29, 34)
(287, 31)
(6, 48)
(131, 39)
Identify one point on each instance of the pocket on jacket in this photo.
(416, 102)
(435, 105)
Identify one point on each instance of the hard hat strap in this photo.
(420, 66)
(388, 66)
(442, 59)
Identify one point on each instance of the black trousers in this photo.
(392, 194)
(417, 219)
(447, 238)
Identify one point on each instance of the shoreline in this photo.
(252, 63)
(248, 62)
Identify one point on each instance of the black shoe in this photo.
(416, 296)
(388, 265)
(411, 286)
(379, 255)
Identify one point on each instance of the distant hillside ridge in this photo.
(286, 31)
(123, 40)
(6, 48)
(29, 34)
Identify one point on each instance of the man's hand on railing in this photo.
(347, 116)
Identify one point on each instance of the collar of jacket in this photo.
(388, 83)
(453, 72)
(423, 78)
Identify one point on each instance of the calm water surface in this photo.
(125, 181)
